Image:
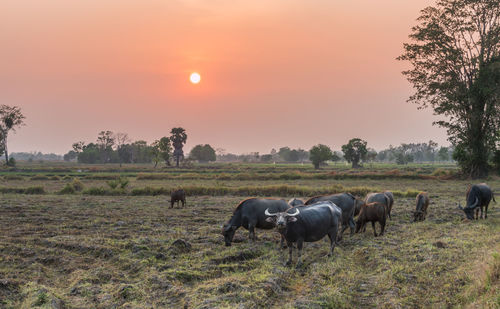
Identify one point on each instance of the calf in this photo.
(421, 208)
(307, 223)
(381, 198)
(176, 196)
(250, 215)
(372, 212)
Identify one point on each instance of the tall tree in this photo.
(319, 154)
(455, 70)
(178, 137)
(121, 139)
(10, 119)
(105, 141)
(355, 151)
(203, 153)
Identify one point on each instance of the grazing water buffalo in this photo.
(250, 215)
(421, 209)
(372, 212)
(478, 196)
(295, 202)
(381, 198)
(345, 201)
(176, 196)
(307, 223)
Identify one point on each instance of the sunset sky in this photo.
(273, 73)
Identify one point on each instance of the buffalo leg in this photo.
(477, 213)
(300, 245)
(332, 235)
(251, 229)
(352, 225)
(290, 250)
(486, 211)
(481, 212)
(374, 231)
(382, 227)
(344, 227)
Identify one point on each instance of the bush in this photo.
(77, 184)
(39, 177)
(122, 182)
(13, 177)
(68, 189)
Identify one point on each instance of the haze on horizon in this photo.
(273, 73)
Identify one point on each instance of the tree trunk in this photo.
(5, 149)
(478, 147)
(177, 158)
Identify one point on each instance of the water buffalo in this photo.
(176, 196)
(478, 196)
(295, 202)
(381, 198)
(307, 223)
(391, 200)
(250, 215)
(345, 201)
(372, 212)
(421, 209)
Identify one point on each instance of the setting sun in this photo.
(195, 78)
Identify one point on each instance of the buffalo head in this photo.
(280, 219)
(469, 209)
(228, 233)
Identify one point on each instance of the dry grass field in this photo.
(115, 249)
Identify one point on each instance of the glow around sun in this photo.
(195, 78)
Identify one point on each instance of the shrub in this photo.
(13, 177)
(77, 184)
(68, 189)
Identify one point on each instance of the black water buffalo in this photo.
(295, 202)
(478, 196)
(381, 198)
(345, 201)
(421, 208)
(307, 223)
(176, 196)
(250, 215)
(372, 212)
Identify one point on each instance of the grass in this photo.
(118, 248)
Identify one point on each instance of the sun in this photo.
(195, 78)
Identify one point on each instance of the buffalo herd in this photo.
(297, 221)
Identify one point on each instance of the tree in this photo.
(105, 141)
(121, 139)
(455, 70)
(203, 153)
(319, 154)
(178, 137)
(165, 149)
(355, 151)
(443, 154)
(10, 119)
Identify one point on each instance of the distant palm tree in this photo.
(178, 137)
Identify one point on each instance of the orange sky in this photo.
(274, 73)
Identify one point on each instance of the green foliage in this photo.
(320, 154)
(203, 153)
(67, 189)
(121, 182)
(12, 162)
(29, 190)
(11, 118)
(178, 137)
(455, 71)
(355, 151)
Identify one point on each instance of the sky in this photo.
(273, 73)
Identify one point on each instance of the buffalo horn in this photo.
(267, 213)
(294, 214)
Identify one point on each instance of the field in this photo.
(97, 245)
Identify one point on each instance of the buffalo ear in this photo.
(292, 219)
(270, 219)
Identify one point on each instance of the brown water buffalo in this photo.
(178, 196)
(381, 198)
(372, 212)
(421, 208)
